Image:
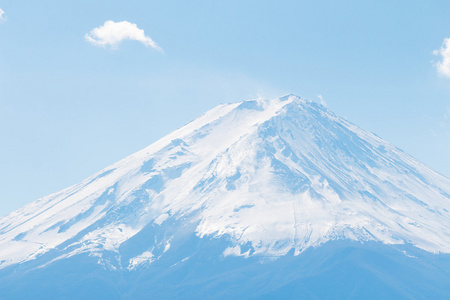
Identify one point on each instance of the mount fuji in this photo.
(266, 199)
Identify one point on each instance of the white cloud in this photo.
(2, 16)
(443, 66)
(112, 33)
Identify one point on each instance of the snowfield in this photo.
(269, 176)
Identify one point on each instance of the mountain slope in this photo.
(262, 177)
(336, 270)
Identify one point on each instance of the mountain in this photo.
(263, 198)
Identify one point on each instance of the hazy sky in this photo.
(86, 83)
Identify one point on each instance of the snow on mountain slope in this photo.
(270, 175)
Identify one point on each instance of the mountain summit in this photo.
(257, 180)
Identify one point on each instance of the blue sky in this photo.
(70, 106)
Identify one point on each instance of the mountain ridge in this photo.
(270, 175)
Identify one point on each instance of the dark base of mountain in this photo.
(336, 270)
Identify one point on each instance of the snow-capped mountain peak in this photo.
(270, 176)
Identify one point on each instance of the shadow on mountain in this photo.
(336, 270)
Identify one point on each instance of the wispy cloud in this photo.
(2, 16)
(321, 101)
(439, 124)
(112, 33)
(443, 66)
(447, 113)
